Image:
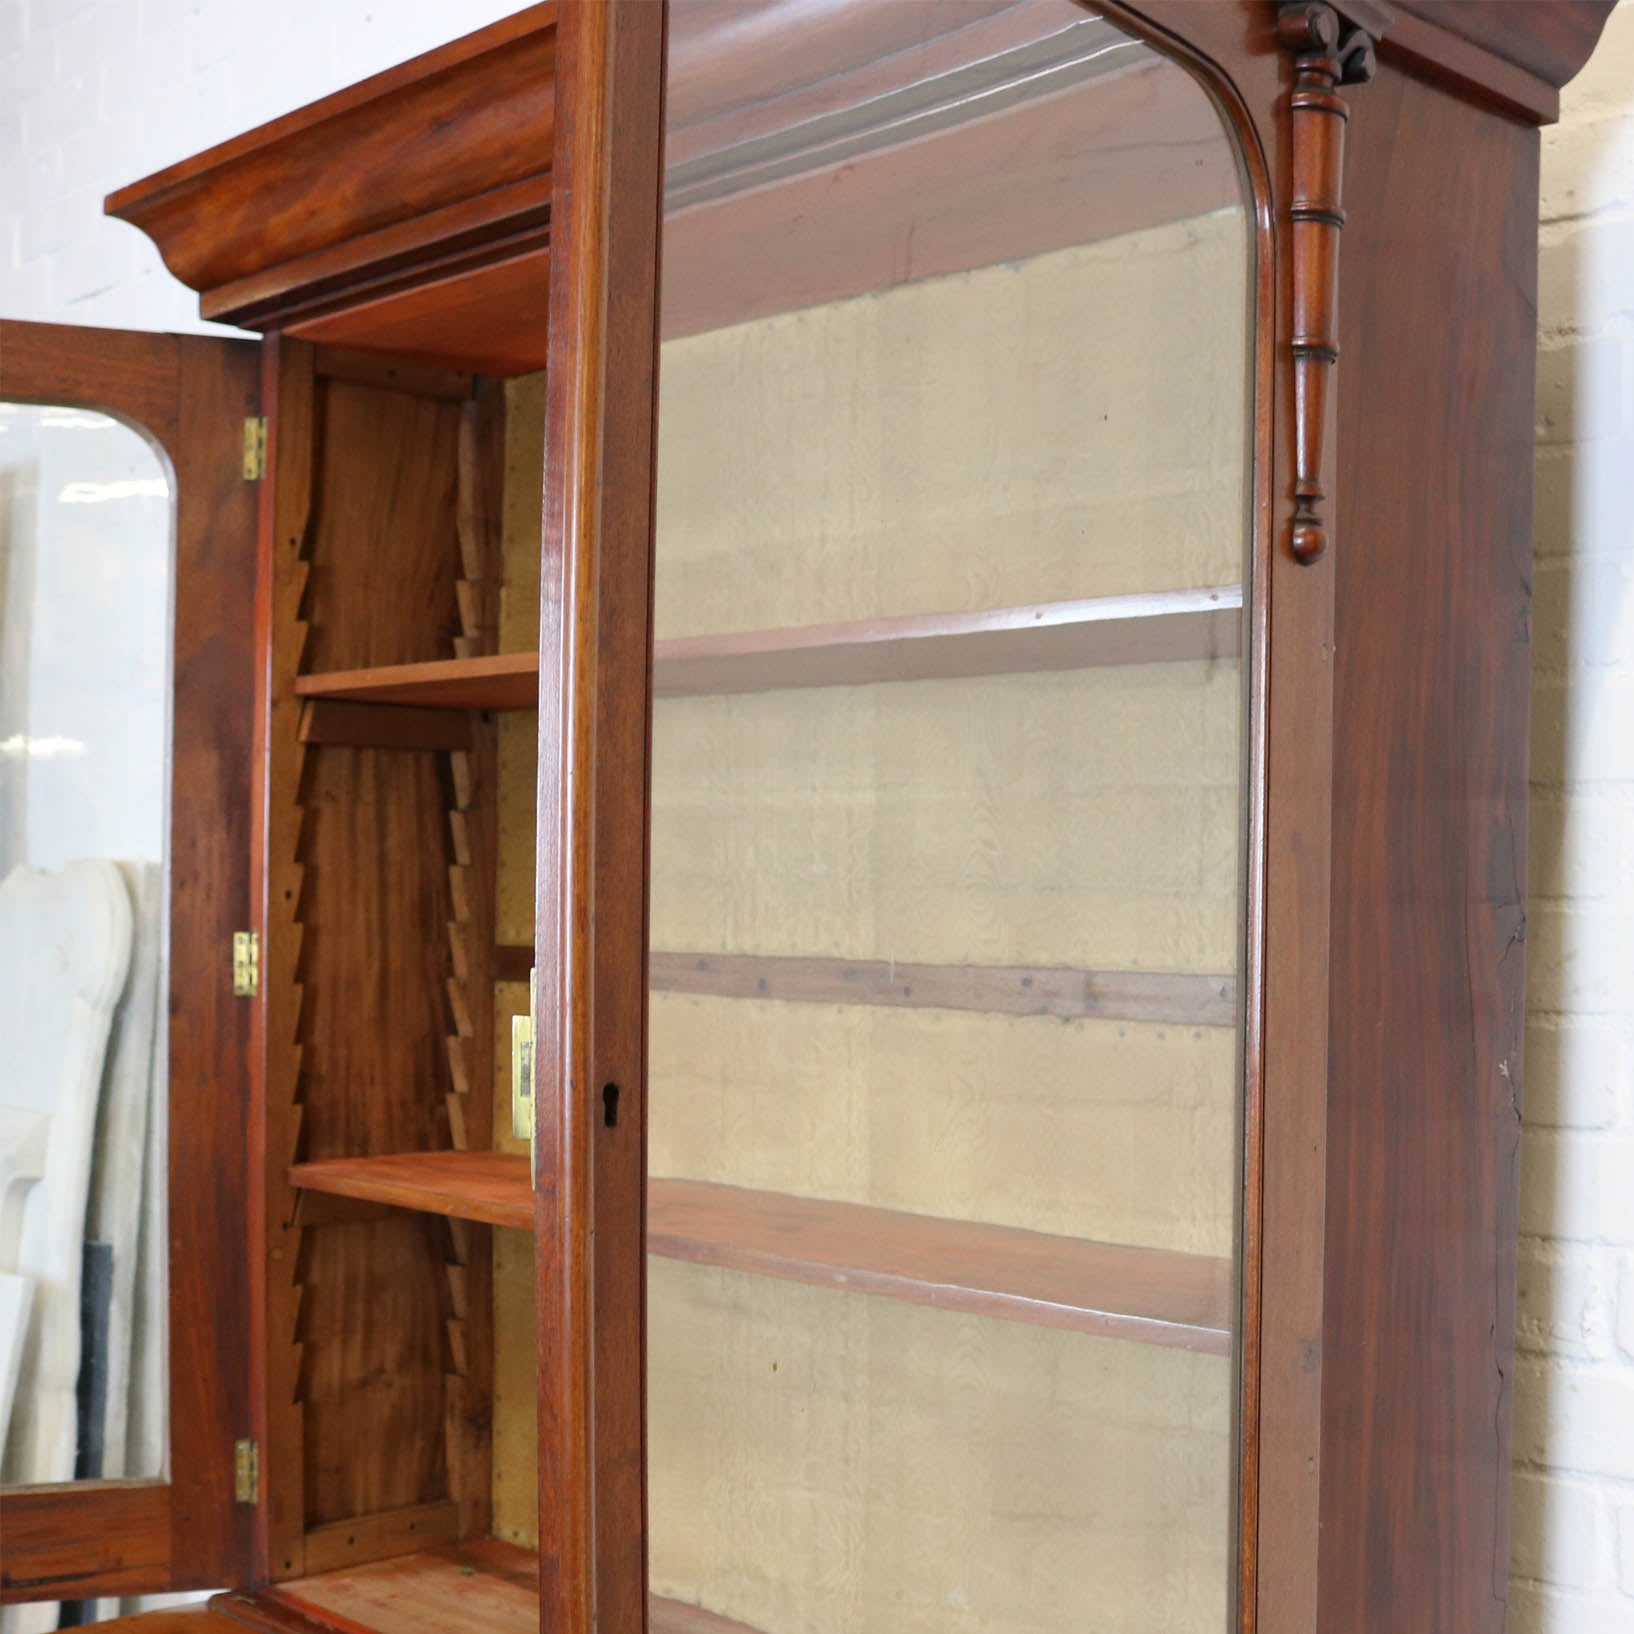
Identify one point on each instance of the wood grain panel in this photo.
(288, 395)
(85, 1539)
(366, 1538)
(383, 726)
(132, 376)
(275, 1069)
(490, 317)
(384, 1323)
(266, 1609)
(384, 559)
(374, 1296)
(472, 853)
(595, 638)
(726, 59)
(1431, 725)
(211, 892)
(373, 1310)
(394, 373)
(421, 1594)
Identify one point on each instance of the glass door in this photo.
(127, 583)
(947, 852)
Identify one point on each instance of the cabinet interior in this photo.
(1074, 1243)
(943, 1103)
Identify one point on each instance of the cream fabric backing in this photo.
(1070, 427)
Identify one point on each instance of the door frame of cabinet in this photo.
(595, 723)
(1284, 998)
(598, 560)
(189, 396)
(1381, 1160)
(1436, 584)
(1289, 825)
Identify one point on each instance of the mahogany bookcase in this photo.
(416, 600)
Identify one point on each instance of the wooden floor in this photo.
(474, 1588)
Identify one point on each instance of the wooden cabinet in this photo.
(952, 580)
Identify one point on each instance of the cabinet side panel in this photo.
(473, 824)
(1433, 547)
(374, 1338)
(286, 494)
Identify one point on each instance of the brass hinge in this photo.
(522, 1120)
(246, 964)
(255, 448)
(246, 1472)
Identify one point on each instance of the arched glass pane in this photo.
(945, 1088)
(86, 579)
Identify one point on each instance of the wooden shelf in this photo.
(1145, 1294)
(483, 1587)
(1156, 628)
(491, 1187)
(1150, 1295)
(504, 681)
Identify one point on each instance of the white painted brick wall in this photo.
(94, 93)
(1572, 1558)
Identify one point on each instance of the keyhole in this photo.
(609, 1105)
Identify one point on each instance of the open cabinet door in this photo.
(128, 501)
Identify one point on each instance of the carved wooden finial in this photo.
(1308, 25)
(1326, 56)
